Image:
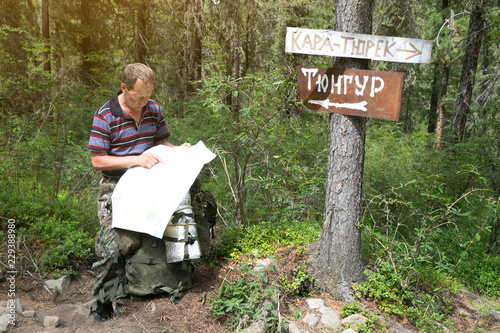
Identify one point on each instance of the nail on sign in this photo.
(352, 92)
(343, 44)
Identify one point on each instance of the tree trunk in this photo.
(46, 35)
(336, 256)
(239, 164)
(432, 118)
(194, 56)
(471, 58)
(85, 44)
(444, 88)
(143, 10)
(486, 72)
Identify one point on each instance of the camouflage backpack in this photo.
(147, 269)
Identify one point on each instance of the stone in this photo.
(29, 313)
(262, 264)
(71, 315)
(260, 326)
(13, 304)
(315, 303)
(311, 319)
(60, 285)
(462, 312)
(354, 320)
(349, 330)
(5, 323)
(293, 328)
(329, 318)
(51, 321)
(495, 315)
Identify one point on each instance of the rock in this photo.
(261, 325)
(311, 319)
(468, 294)
(55, 330)
(495, 315)
(51, 321)
(13, 304)
(293, 328)
(2, 310)
(349, 330)
(354, 320)
(395, 327)
(71, 315)
(463, 313)
(329, 318)
(29, 313)
(60, 285)
(5, 323)
(315, 303)
(262, 264)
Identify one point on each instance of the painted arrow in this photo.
(415, 51)
(354, 106)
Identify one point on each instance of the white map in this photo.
(145, 199)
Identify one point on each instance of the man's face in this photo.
(137, 98)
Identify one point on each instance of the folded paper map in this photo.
(145, 199)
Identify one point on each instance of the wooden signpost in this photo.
(351, 92)
(354, 92)
(343, 44)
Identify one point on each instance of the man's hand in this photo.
(148, 160)
(104, 162)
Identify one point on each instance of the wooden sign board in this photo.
(343, 44)
(351, 92)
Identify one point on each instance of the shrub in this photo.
(65, 231)
(241, 300)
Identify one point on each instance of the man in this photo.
(123, 128)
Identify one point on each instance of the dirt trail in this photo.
(191, 314)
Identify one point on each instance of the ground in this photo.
(191, 313)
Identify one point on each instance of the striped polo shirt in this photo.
(116, 133)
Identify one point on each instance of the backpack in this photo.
(152, 265)
(205, 215)
(147, 271)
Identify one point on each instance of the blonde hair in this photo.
(137, 71)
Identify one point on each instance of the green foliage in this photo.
(392, 157)
(301, 284)
(263, 239)
(65, 231)
(373, 322)
(269, 156)
(241, 300)
(421, 308)
(430, 211)
(480, 272)
(266, 237)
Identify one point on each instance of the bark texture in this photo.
(469, 67)
(46, 35)
(336, 256)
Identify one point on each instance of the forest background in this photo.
(431, 184)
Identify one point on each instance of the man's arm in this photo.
(101, 161)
